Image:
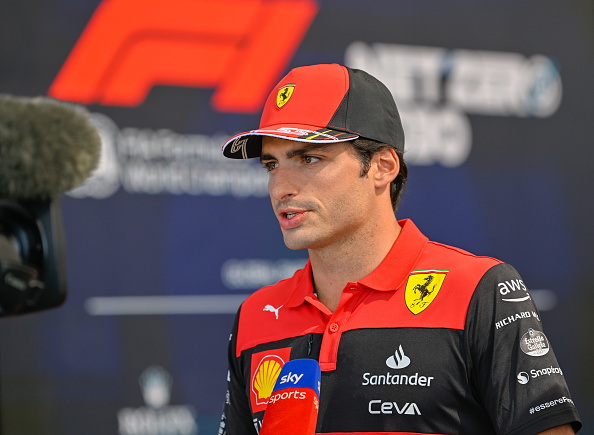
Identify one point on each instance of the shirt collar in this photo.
(391, 273)
(302, 286)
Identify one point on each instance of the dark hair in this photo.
(366, 148)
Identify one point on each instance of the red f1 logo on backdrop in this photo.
(239, 47)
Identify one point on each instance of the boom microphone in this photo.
(46, 147)
(293, 405)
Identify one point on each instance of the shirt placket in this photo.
(336, 325)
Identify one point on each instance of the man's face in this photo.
(317, 193)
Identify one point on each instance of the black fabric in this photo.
(498, 321)
(368, 110)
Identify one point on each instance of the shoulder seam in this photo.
(464, 252)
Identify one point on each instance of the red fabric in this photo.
(301, 313)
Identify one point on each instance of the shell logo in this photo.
(266, 367)
(266, 377)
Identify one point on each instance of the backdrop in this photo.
(167, 238)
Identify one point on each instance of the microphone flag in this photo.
(293, 405)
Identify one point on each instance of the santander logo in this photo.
(399, 360)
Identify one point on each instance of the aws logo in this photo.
(266, 367)
(238, 47)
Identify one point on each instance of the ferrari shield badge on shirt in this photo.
(422, 287)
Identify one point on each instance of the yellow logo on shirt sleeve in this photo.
(266, 366)
(422, 288)
(266, 378)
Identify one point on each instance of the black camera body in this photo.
(32, 256)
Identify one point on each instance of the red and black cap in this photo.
(323, 103)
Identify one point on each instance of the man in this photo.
(412, 336)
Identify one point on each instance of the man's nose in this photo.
(283, 184)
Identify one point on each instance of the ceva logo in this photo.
(238, 47)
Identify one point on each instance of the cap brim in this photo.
(249, 144)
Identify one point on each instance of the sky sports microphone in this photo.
(47, 147)
(293, 405)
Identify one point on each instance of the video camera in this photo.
(47, 147)
(32, 256)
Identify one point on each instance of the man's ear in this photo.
(387, 165)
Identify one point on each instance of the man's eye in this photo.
(269, 166)
(310, 159)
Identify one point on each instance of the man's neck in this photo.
(335, 266)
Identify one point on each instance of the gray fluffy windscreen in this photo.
(46, 147)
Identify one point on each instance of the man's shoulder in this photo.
(461, 272)
(430, 254)
(266, 315)
(276, 294)
(271, 294)
(458, 259)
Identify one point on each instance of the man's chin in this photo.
(295, 247)
(295, 243)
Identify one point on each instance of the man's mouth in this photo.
(292, 219)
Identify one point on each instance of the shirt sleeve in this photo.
(237, 417)
(513, 369)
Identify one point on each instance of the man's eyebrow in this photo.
(265, 157)
(307, 148)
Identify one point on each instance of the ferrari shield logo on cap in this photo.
(284, 94)
(422, 288)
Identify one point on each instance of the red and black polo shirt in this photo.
(434, 341)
